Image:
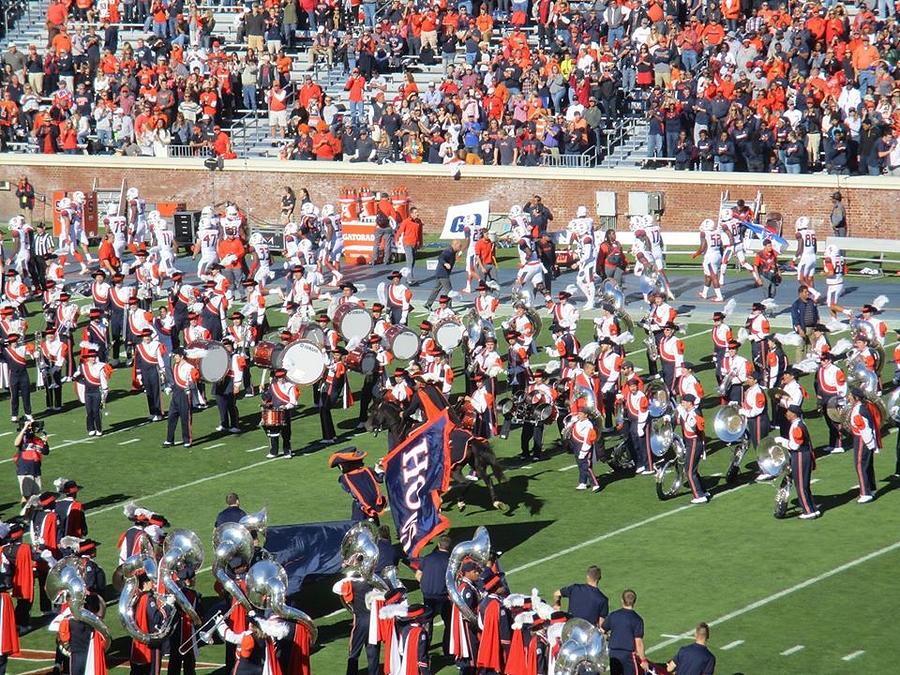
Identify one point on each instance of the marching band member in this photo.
(45, 538)
(609, 364)
(671, 354)
(348, 294)
(563, 312)
(181, 297)
(489, 363)
(9, 633)
(335, 392)
(398, 298)
(381, 324)
(486, 303)
(735, 368)
(332, 337)
(361, 483)
(31, 446)
(355, 595)
(636, 417)
(53, 361)
(70, 520)
(150, 360)
(100, 291)
(819, 342)
(754, 409)
(776, 365)
(93, 388)
(538, 393)
(803, 460)
(582, 440)
(184, 380)
(518, 367)
(867, 314)
(443, 311)
(300, 291)
(412, 641)
(606, 325)
(734, 227)
(793, 396)
(482, 400)
(831, 382)
(473, 231)
(119, 296)
(95, 335)
(758, 328)
(150, 613)
(521, 323)
(67, 314)
(494, 622)
(687, 383)
(399, 390)
(146, 273)
(135, 539)
(442, 372)
(693, 426)
(565, 344)
(16, 562)
(370, 380)
(648, 231)
(661, 313)
(712, 242)
(86, 645)
(281, 395)
(214, 311)
(463, 634)
(805, 258)
(866, 429)
(183, 627)
(255, 308)
(17, 354)
(16, 292)
(228, 388)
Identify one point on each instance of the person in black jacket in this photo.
(683, 152)
(725, 154)
(705, 153)
(837, 155)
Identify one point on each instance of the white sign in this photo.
(453, 225)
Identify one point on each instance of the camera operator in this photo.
(31, 446)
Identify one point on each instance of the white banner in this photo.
(453, 225)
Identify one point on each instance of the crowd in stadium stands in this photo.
(733, 85)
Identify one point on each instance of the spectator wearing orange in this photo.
(731, 10)
(864, 59)
(276, 99)
(356, 86)
(57, 13)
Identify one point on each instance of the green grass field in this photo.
(782, 596)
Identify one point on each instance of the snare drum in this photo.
(211, 359)
(304, 361)
(267, 354)
(448, 334)
(311, 332)
(361, 360)
(402, 342)
(273, 421)
(353, 321)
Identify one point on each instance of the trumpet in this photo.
(204, 634)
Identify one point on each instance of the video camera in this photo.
(37, 426)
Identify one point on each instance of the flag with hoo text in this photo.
(416, 473)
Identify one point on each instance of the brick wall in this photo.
(873, 203)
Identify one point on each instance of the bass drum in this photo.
(267, 354)
(401, 342)
(304, 361)
(311, 332)
(361, 360)
(353, 321)
(448, 334)
(210, 358)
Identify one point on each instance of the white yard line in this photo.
(792, 650)
(216, 445)
(176, 488)
(86, 439)
(732, 645)
(614, 533)
(783, 593)
(130, 441)
(569, 467)
(7, 433)
(853, 655)
(261, 447)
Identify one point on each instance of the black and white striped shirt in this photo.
(44, 244)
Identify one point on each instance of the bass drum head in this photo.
(353, 321)
(304, 361)
(402, 342)
(312, 332)
(448, 335)
(213, 365)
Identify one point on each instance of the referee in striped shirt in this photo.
(43, 246)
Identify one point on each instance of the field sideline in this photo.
(782, 596)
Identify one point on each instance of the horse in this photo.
(466, 449)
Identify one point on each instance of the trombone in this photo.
(204, 634)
